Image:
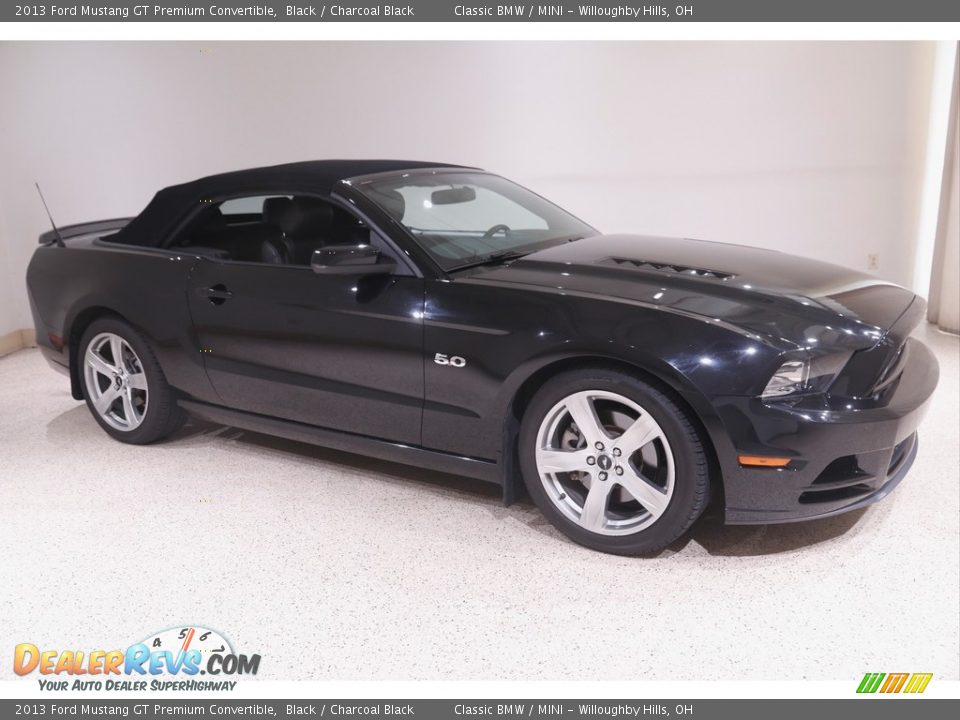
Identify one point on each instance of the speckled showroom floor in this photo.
(332, 566)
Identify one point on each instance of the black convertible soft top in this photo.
(171, 205)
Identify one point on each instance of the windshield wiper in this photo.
(493, 259)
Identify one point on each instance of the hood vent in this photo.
(666, 267)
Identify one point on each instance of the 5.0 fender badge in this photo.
(451, 360)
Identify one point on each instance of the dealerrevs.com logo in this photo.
(173, 659)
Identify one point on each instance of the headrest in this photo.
(274, 208)
(209, 217)
(301, 217)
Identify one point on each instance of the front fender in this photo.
(513, 339)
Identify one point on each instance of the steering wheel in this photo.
(495, 229)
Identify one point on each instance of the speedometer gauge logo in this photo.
(196, 639)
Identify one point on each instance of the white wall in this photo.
(11, 317)
(814, 148)
(945, 289)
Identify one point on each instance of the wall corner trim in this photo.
(17, 340)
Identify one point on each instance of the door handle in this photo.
(216, 294)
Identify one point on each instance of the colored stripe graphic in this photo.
(918, 682)
(894, 682)
(870, 682)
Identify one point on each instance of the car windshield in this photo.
(464, 218)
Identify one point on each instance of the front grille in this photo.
(677, 269)
(891, 371)
(871, 373)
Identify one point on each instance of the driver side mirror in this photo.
(350, 260)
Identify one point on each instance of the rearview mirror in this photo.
(453, 196)
(350, 260)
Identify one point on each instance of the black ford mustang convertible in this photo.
(444, 317)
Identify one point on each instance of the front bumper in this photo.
(845, 455)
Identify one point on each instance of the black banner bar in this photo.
(453, 11)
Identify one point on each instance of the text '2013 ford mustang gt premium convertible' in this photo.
(444, 317)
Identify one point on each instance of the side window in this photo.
(274, 229)
(249, 209)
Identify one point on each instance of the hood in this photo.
(787, 300)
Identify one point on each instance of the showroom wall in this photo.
(11, 288)
(945, 290)
(813, 148)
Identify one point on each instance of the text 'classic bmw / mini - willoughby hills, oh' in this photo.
(444, 317)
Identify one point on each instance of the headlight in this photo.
(790, 378)
(809, 375)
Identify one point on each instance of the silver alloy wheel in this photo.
(116, 382)
(605, 463)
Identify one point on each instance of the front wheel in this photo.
(613, 462)
(123, 384)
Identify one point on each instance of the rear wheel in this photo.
(613, 462)
(123, 384)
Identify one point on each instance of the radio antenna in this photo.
(56, 230)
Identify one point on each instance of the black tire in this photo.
(691, 480)
(162, 415)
